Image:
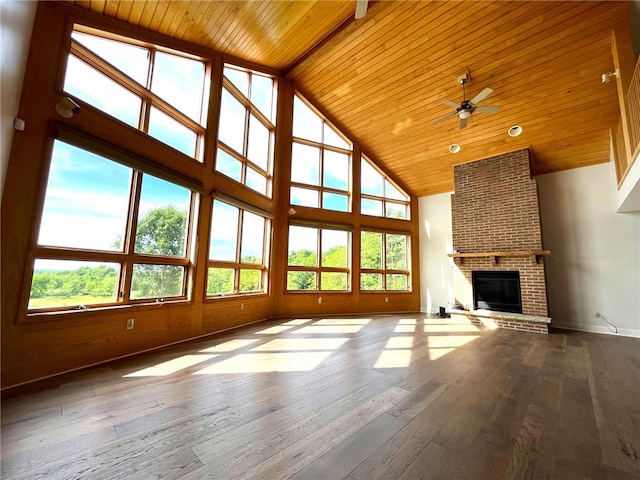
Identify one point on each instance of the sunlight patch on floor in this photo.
(489, 323)
(343, 321)
(396, 354)
(404, 329)
(231, 345)
(436, 353)
(405, 325)
(300, 354)
(267, 362)
(399, 342)
(274, 330)
(297, 321)
(172, 366)
(407, 321)
(301, 344)
(393, 359)
(329, 329)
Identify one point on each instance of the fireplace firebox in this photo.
(496, 290)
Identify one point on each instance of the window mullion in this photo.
(312, 143)
(129, 242)
(321, 174)
(319, 258)
(233, 90)
(236, 285)
(384, 260)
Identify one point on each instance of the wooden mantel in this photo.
(535, 254)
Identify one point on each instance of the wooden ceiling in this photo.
(382, 79)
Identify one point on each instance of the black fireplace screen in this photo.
(495, 290)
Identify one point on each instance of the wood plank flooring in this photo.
(355, 398)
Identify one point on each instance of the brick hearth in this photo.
(495, 209)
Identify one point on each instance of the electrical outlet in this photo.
(319, 299)
(242, 306)
(386, 299)
(130, 323)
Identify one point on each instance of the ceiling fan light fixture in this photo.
(464, 114)
(454, 148)
(515, 131)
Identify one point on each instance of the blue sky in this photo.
(87, 199)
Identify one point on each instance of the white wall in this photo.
(594, 264)
(16, 23)
(595, 252)
(436, 240)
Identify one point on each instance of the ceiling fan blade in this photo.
(451, 103)
(489, 109)
(463, 123)
(482, 95)
(361, 8)
(446, 117)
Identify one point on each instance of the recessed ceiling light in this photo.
(454, 148)
(515, 131)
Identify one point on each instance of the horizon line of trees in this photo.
(162, 231)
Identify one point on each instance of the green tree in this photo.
(160, 232)
(371, 250)
(302, 280)
(220, 281)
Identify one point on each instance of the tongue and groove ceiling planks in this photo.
(382, 79)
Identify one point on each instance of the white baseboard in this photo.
(624, 332)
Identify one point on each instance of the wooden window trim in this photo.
(237, 265)
(324, 121)
(80, 139)
(244, 160)
(387, 271)
(242, 157)
(322, 146)
(121, 78)
(319, 269)
(238, 95)
(346, 193)
(127, 258)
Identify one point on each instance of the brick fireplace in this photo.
(496, 227)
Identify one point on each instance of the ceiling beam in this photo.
(324, 40)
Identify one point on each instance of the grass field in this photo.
(63, 302)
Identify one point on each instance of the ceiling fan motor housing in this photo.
(465, 109)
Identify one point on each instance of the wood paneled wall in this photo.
(33, 348)
(627, 82)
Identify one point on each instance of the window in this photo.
(379, 196)
(384, 261)
(318, 259)
(320, 162)
(161, 92)
(109, 234)
(247, 128)
(237, 251)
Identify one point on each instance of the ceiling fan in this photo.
(466, 108)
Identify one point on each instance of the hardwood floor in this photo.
(355, 398)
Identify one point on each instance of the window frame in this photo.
(249, 109)
(148, 98)
(385, 199)
(237, 265)
(386, 271)
(318, 269)
(320, 189)
(127, 258)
